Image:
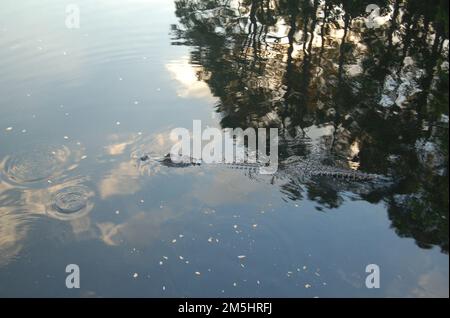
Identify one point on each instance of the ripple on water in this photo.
(38, 164)
(71, 202)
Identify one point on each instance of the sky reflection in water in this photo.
(79, 106)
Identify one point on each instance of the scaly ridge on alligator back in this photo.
(350, 175)
(312, 168)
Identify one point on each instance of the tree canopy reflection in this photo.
(382, 91)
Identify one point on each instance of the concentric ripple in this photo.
(71, 200)
(71, 203)
(37, 164)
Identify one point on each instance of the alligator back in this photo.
(302, 168)
(308, 168)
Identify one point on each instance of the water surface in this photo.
(78, 107)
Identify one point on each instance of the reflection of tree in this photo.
(301, 64)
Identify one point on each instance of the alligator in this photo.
(300, 167)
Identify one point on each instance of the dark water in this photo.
(79, 106)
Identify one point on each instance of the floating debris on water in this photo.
(307, 286)
(9, 129)
(242, 256)
(174, 241)
(211, 240)
(197, 273)
(135, 275)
